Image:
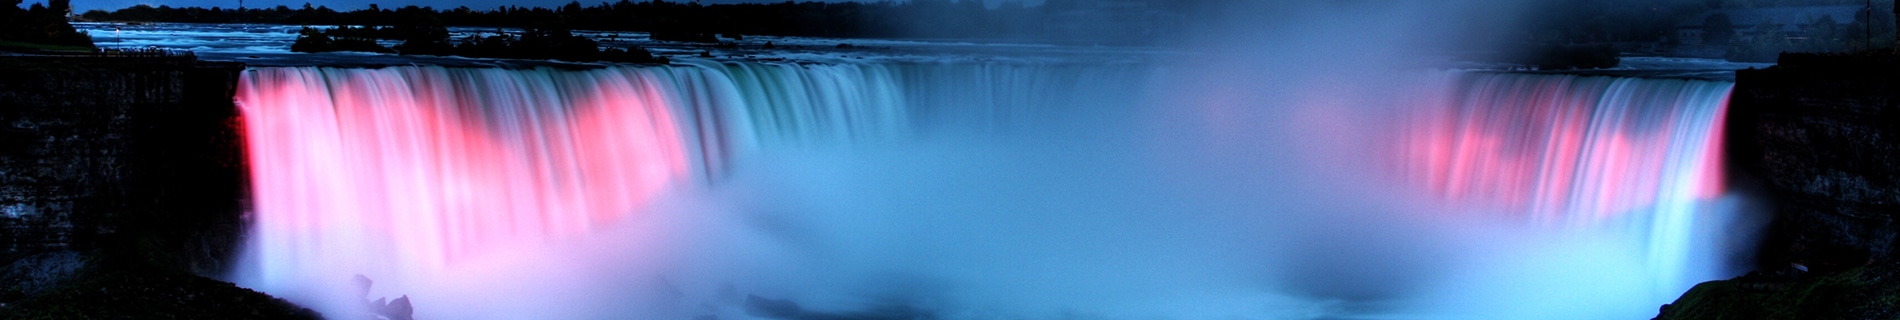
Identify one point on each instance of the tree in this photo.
(1856, 35)
(1717, 29)
(40, 24)
(62, 7)
(1767, 44)
(1824, 35)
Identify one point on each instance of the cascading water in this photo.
(1638, 155)
(372, 158)
(1009, 189)
(408, 170)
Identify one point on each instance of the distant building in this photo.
(1111, 21)
(1792, 21)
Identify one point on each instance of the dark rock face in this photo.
(38, 274)
(1824, 138)
(1822, 135)
(140, 156)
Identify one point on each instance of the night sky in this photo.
(344, 5)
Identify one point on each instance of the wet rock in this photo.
(770, 308)
(399, 309)
(381, 308)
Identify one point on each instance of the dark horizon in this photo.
(84, 5)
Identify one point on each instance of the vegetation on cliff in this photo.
(1868, 292)
(40, 27)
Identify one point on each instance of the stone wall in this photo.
(141, 156)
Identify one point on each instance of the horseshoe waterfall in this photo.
(975, 189)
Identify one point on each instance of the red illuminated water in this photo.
(388, 157)
(1567, 149)
(1641, 157)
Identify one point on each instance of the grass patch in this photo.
(1868, 292)
(25, 46)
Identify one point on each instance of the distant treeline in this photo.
(1600, 21)
(531, 44)
(887, 19)
(1628, 24)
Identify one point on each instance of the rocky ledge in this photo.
(109, 291)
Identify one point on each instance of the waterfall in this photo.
(422, 172)
(415, 168)
(433, 163)
(1578, 152)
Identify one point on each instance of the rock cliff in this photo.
(139, 155)
(1821, 136)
